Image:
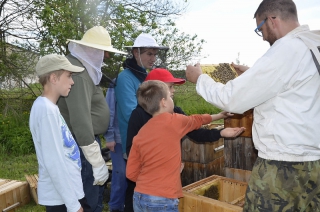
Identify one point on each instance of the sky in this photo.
(228, 26)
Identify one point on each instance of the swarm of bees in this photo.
(223, 72)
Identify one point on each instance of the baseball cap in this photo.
(54, 62)
(163, 75)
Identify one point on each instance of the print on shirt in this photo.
(72, 150)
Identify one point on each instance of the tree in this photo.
(124, 20)
(43, 26)
(16, 58)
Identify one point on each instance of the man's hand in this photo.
(239, 68)
(111, 145)
(80, 210)
(193, 72)
(93, 155)
(221, 115)
(225, 114)
(100, 174)
(231, 132)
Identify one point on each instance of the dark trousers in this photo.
(129, 196)
(63, 208)
(93, 193)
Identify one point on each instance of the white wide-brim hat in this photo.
(146, 41)
(97, 37)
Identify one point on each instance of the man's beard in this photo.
(271, 36)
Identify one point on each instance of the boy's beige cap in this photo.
(54, 62)
(97, 37)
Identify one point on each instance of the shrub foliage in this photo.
(15, 136)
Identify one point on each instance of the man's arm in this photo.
(193, 72)
(110, 134)
(201, 135)
(239, 68)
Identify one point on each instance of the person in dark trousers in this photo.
(139, 117)
(142, 59)
(86, 111)
(154, 162)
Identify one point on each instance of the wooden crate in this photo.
(238, 174)
(33, 183)
(201, 152)
(229, 194)
(193, 172)
(13, 194)
(241, 120)
(239, 153)
(202, 159)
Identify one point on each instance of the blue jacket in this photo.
(113, 132)
(125, 92)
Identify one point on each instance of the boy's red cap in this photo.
(163, 75)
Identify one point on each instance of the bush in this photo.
(15, 137)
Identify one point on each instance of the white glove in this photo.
(93, 155)
(101, 175)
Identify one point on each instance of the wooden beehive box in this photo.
(241, 120)
(33, 184)
(13, 194)
(202, 159)
(240, 153)
(225, 195)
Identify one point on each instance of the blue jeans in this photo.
(118, 180)
(93, 193)
(148, 203)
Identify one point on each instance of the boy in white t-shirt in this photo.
(60, 184)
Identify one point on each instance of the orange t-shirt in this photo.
(155, 157)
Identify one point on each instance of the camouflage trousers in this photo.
(283, 186)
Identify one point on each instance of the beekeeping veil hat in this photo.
(97, 37)
(90, 51)
(146, 41)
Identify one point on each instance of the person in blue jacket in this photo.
(113, 143)
(140, 117)
(144, 55)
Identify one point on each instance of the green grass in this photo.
(15, 167)
(17, 157)
(190, 102)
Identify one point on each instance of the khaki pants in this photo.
(283, 186)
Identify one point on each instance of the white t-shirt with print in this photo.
(58, 157)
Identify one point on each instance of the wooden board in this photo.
(231, 196)
(239, 153)
(13, 194)
(200, 152)
(193, 172)
(238, 174)
(33, 184)
(241, 120)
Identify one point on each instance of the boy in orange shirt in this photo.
(155, 157)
